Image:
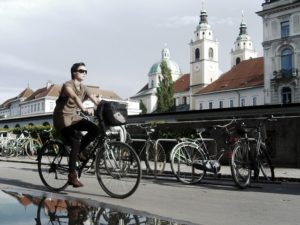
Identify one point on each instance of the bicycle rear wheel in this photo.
(155, 155)
(118, 169)
(241, 165)
(187, 162)
(53, 165)
(265, 163)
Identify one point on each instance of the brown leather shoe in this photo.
(83, 156)
(73, 180)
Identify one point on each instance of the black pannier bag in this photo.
(112, 113)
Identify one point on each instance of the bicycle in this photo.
(245, 159)
(25, 144)
(191, 159)
(118, 168)
(151, 152)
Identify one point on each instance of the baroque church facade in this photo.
(271, 79)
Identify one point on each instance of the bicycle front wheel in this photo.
(32, 147)
(187, 162)
(118, 169)
(241, 165)
(53, 165)
(265, 163)
(157, 156)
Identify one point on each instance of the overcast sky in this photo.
(119, 40)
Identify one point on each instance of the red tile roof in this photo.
(182, 84)
(248, 73)
(24, 94)
(52, 90)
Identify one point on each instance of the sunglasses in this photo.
(82, 71)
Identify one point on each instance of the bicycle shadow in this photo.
(291, 188)
(22, 184)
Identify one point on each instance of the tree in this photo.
(165, 90)
(143, 107)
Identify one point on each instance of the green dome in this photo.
(173, 66)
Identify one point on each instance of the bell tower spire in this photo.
(243, 46)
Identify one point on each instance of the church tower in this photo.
(204, 64)
(243, 46)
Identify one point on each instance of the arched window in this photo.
(197, 54)
(6, 127)
(286, 62)
(46, 124)
(237, 60)
(211, 53)
(30, 124)
(17, 126)
(286, 95)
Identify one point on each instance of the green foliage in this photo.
(35, 131)
(143, 107)
(165, 91)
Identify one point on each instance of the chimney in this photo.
(48, 84)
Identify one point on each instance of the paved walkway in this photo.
(282, 174)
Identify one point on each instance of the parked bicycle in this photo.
(24, 144)
(246, 158)
(118, 168)
(151, 152)
(191, 158)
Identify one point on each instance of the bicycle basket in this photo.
(112, 113)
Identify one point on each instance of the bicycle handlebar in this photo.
(226, 125)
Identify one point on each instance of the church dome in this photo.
(173, 66)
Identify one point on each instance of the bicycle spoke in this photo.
(118, 170)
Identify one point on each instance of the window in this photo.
(242, 102)
(197, 54)
(210, 105)
(231, 103)
(285, 29)
(254, 101)
(177, 101)
(286, 94)
(211, 53)
(221, 104)
(184, 100)
(152, 83)
(237, 61)
(51, 106)
(200, 106)
(286, 62)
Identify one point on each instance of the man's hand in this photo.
(89, 112)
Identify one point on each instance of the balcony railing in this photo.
(285, 74)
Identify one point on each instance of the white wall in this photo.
(225, 97)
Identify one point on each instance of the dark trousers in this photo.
(72, 136)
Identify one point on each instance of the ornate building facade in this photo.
(281, 44)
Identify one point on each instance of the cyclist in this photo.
(67, 121)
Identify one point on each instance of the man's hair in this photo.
(74, 68)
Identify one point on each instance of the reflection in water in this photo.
(77, 212)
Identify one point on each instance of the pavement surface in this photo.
(211, 202)
(281, 174)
